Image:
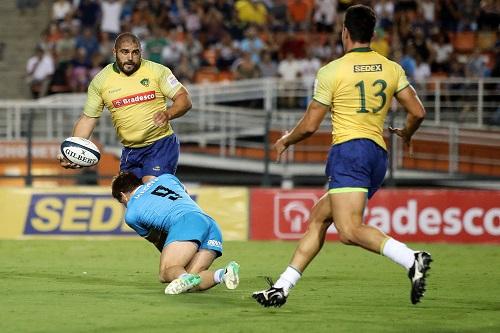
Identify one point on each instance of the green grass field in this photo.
(111, 286)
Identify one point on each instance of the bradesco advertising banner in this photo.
(463, 216)
(91, 211)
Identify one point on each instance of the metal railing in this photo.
(240, 115)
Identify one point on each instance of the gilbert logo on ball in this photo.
(80, 151)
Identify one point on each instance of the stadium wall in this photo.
(457, 216)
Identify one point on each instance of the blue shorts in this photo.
(199, 228)
(158, 158)
(358, 164)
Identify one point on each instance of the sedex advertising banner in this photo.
(92, 212)
(462, 216)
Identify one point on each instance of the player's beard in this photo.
(128, 67)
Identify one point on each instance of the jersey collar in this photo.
(361, 49)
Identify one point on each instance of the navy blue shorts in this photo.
(199, 228)
(356, 165)
(156, 159)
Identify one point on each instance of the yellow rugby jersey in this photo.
(133, 100)
(359, 88)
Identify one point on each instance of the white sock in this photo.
(288, 279)
(182, 275)
(399, 253)
(219, 275)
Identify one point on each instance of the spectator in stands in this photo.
(299, 14)
(252, 44)
(422, 72)
(96, 65)
(408, 61)
(295, 44)
(192, 17)
(110, 17)
(379, 43)
(449, 15)
(278, 15)
(193, 50)
(141, 20)
(268, 67)
(87, 13)
(172, 52)
(39, 70)
(384, 10)
(289, 71)
(309, 67)
(476, 65)
(427, 8)
(106, 47)
(65, 46)
(489, 15)
(87, 41)
(80, 67)
(325, 13)
(54, 34)
(442, 50)
(251, 12)
(422, 45)
(213, 25)
(60, 9)
(245, 68)
(184, 71)
(227, 52)
(154, 45)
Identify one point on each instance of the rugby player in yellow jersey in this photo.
(357, 89)
(135, 92)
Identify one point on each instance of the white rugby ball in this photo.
(80, 151)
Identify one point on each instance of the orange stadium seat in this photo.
(206, 74)
(464, 41)
(225, 76)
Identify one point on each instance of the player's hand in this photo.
(66, 164)
(161, 118)
(280, 146)
(401, 132)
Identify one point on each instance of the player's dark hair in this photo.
(123, 183)
(126, 37)
(360, 22)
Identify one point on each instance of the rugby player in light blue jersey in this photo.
(189, 240)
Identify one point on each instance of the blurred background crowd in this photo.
(216, 40)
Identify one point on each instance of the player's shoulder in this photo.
(154, 67)
(331, 67)
(103, 74)
(386, 61)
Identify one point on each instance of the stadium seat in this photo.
(206, 74)
(464, 41)
(486, 40)
(225, 76)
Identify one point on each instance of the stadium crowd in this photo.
(214, 40)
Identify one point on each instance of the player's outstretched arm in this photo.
(83, 128)
(306, 126)
(415, 114)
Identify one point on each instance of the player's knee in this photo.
(162, 276)
(347, 236)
